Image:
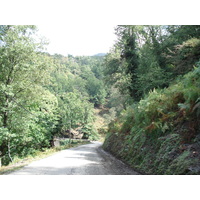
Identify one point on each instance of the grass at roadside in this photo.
(18, 163)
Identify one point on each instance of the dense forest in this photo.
(147, 88)
(43, 96)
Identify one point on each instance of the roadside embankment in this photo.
(161, 133)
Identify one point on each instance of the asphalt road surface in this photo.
(89, 159)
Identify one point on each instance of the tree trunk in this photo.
(9, 151)
(5, 114)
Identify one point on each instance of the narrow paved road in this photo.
(89, 159)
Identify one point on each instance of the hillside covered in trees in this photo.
(43, 96)
(158, 69)
(147, 88)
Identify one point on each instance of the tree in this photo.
(75, 111)
(24, 72)
(96, 90)
(129, 52)
(151, 56)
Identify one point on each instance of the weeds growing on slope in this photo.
(159, 134)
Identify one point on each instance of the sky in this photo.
(78, 39)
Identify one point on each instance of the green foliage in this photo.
(114, 72)
(151, 134)
(75, 111)
(127, 42)
(184, 56)
(167, 96)
(41, 96)
(90, 132)
(181, 164)
(67, 142)
(96, 90)
(26, 108)
(148, 57)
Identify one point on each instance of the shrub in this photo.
(148, 135)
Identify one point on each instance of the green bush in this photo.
(149, 134)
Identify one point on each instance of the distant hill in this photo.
(100, 54)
